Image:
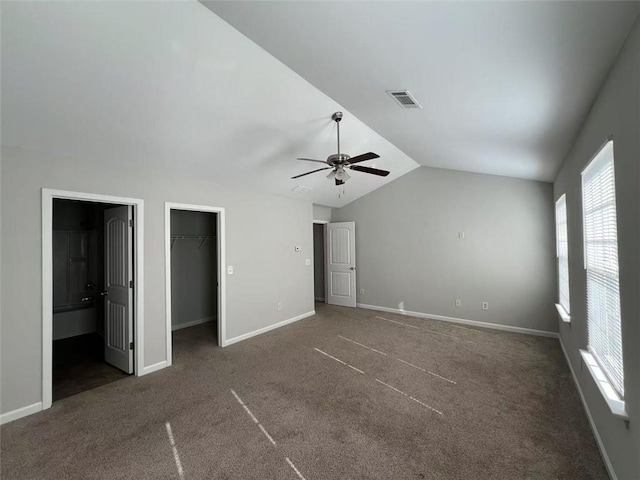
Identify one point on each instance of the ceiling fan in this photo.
(340, 162)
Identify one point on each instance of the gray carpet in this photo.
(395, 413)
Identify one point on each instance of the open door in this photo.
(118, 294)
(341, 264)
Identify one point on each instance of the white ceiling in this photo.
(505, 86)
(169, 86)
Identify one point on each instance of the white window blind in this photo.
(601, 264)
(562, 251)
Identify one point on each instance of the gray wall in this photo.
(409, 255)
(320, 212)
(616, 111)
(262, 231)
(318, 261)
(194, 271)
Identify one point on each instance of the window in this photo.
(562, 252)
(601, 264)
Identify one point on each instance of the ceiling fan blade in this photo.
(363, 157)
(312, 171)
(312, 160)
(374, 171)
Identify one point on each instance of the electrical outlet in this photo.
(307, 261)
(362, 291)
(485, 305)
(458, 302)
(461, 235)
(279, 305)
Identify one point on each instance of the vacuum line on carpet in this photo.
(294, 468)
(253, 417)
(360, 344)
(410, 397)
(426, 330)
(245, 407)
(399, 359)
(399, 323)
(339, 361)
(264, 430)
(176, 457)
(427, 371)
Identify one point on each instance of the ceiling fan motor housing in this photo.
(338, 159)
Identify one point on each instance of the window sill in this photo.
(566, 318)
(616, 405)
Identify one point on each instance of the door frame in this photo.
(324, 263)
(48, 195)
(221, 258)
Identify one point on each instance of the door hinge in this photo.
(130, 345)
(130, 283)
(131, 222)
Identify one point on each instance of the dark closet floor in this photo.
(202, 335)
(78, 365)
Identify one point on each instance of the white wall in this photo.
(409, 255)
(261, 232)
(616, 112)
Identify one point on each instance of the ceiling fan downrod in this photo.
(336, 117)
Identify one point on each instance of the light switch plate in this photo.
(307, 261)
(230, 269)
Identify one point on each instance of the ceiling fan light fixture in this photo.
(332, 175)
(342, 175)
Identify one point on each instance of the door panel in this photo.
(341, 264)
(118, 238)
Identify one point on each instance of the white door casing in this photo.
(118, 296)
(341, 264)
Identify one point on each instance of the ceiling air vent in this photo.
(404, 98)
(301, 190)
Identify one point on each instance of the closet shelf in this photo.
(203, 239)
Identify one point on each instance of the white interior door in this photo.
(341, 264)
(118, 295)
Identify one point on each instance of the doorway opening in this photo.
(319, 251)
(92, 305)
(195, 280)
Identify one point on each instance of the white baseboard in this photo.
(494, 326)
(154, 368)
(603, 451)
(20, 412)
(260, 331)
(193, 323)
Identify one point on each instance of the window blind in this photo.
(562, 251)
(601, 264)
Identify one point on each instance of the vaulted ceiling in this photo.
(504, 86)
(171, 86)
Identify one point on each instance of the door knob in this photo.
(352, 268)
(104, 294)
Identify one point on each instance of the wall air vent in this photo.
(404, 98)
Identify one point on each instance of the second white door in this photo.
(341, 264)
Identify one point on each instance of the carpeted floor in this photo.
(415, 399)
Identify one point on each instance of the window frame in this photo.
(605, 380)
(563, 310)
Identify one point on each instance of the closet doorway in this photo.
(194, 279)
(319, 251)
